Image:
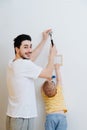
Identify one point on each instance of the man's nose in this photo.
(29, 50)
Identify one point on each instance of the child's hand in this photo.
(57, 66)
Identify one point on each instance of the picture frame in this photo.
(59, 59)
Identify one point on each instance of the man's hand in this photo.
(53, 51)
(45, 34)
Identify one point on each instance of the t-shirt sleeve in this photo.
(59, 88)
(31, 70)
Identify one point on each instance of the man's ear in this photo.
(16, 50)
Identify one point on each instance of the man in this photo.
(20, 81)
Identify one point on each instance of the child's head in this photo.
(49, 88)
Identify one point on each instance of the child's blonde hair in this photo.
(49, 88)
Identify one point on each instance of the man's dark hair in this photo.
(19, 39)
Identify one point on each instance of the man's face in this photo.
(25, 49)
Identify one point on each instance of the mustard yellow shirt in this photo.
(56, 103)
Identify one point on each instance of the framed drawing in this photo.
(59, 59)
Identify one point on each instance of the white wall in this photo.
(68, 19)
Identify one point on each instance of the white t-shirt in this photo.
(21, 92)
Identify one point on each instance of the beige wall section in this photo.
(68, 19)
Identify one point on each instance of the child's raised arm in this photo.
(58, 74)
